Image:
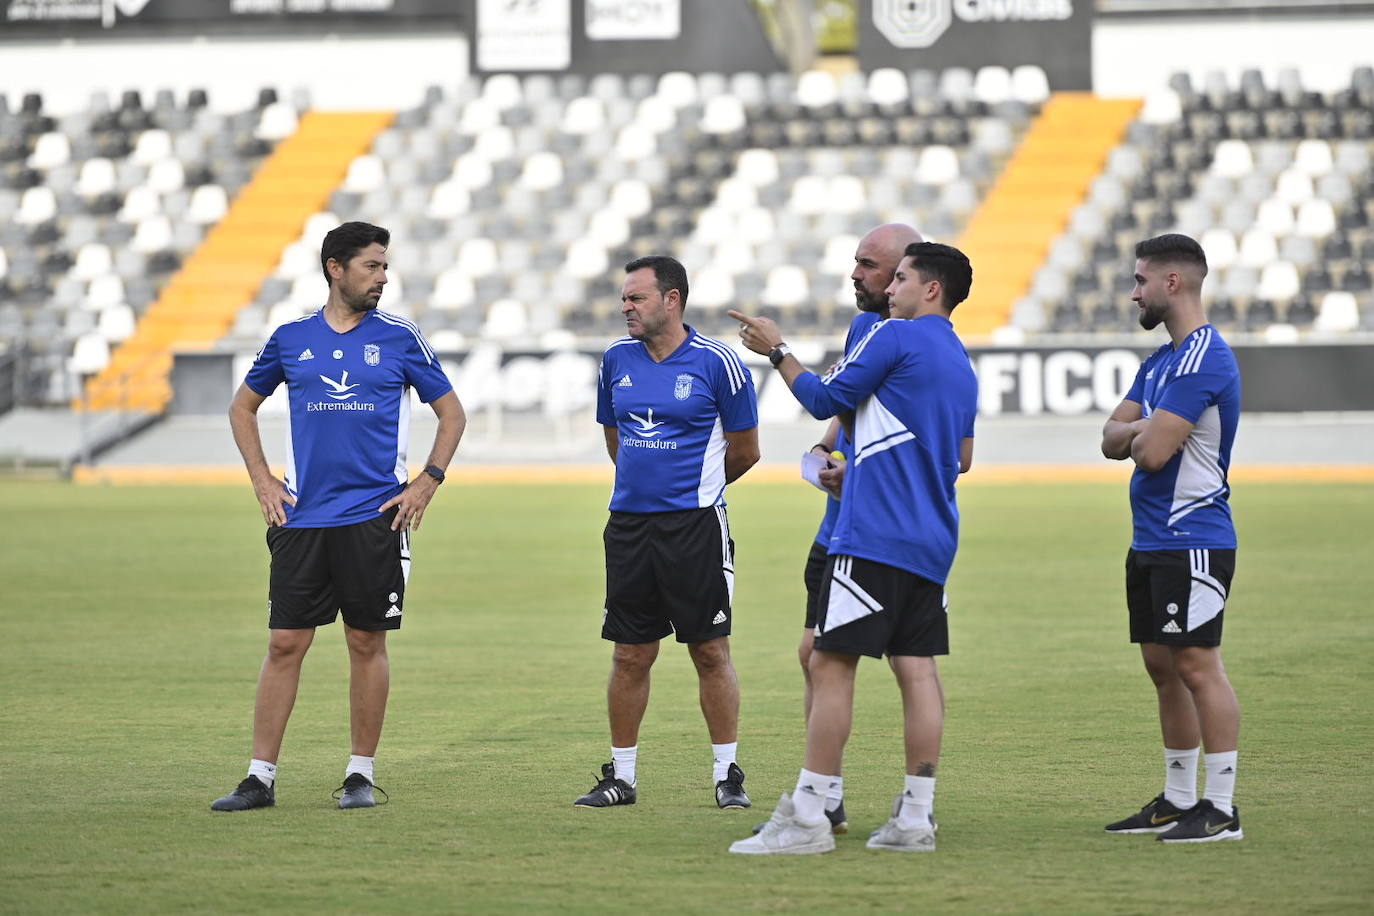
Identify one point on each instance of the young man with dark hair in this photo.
(1177, 423)
(681, 421)
(339, 524)
(875, 260)
(913, 398)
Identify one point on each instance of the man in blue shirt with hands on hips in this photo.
(681, 421)
(1177, 423)
(908, 397)
(339, 524)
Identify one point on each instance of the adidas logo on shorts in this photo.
(718, 619)
(1172, 627)
(393, 611)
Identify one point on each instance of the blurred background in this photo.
(168, 168)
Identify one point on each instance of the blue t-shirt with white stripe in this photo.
(915, 398)
(857, 329)
(348, 396)
(1185, 504)
(671, 418)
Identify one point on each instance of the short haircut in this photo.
(668, 273)
(1172, 248)
(344, 242)
(945, 263)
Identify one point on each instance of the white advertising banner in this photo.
(633, 20)
(524, 34)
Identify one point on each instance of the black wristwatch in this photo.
(778, 354)
(436, 472)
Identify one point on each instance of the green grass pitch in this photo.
(134, 623)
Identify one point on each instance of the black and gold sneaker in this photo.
(1203, 823)
(1158, 815)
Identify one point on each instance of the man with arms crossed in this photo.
(875, 260)
(914, 397)
(681, 422)
(1177, 423)
(339, 524)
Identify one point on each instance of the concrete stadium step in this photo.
(199, 303)
(1049, 174)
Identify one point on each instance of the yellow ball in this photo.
(837, 455)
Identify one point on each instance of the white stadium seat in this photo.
(49, 151)
(97, 176)
(208, 205)
(152, 145)
(38, 205)
(888, 86)
(92, 260)
(1278, 282)
(1339, 312)
(90, 355)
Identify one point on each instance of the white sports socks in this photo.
(1180, 777)
(361, 765)
(918, 798)
(722, 755)
(266, 772)
(835, 794)
(808, 799)
(624, 758)
(1221, 779)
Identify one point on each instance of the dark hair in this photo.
(343, 243)
(668, 273)
(945, 263)
(1172, 248)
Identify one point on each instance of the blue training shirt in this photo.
(857, 329)
(915, 398)
(1185, 504)
(348, 396)
(671, 418)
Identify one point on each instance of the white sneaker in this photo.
(890, 836)
(785, 835)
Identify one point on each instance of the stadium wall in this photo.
(1061, 381)
(1129, 55)
(1135, 55)
(395, 72)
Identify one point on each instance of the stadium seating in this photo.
(1274, 181)
(531, 192)
(98, 209)
(513, 201)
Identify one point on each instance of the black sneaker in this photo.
(730, 790)
(356, 792)
(608, 791)
(1158, 815)
(838, 822)
(1203, 823)
(251, 793)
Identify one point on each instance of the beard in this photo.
(867, 302)
(364, 302)
(1149, 318)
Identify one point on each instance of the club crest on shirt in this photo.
(682, 388)
(372, 354)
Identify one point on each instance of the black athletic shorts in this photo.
(869, 608)
(1177, 597)
(668, 572)
(814, 577)
(360, 569)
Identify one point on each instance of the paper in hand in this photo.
(811, 467)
